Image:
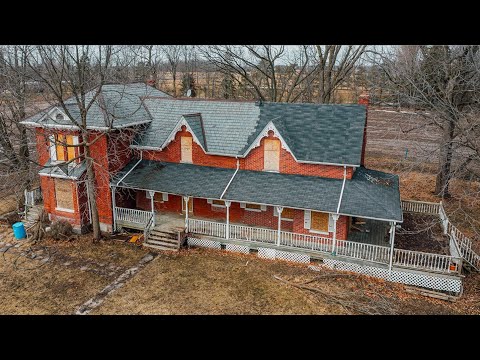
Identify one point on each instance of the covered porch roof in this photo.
(369, 194)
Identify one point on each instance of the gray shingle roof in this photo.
(195, 122)
(71, 170)
(174, 178)
(117, 105)
(314, 132)
(372, 193)
(227, 124)
(369, 193)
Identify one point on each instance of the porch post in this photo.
(152, 206)
(186, 198)
(279, 211)
(227, 230)
(392, 241)
(334, 242)
(114, 207)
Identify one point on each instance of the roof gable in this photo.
(318, 133)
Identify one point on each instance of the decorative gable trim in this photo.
(51, 112)
(264, 133)
(176, 129)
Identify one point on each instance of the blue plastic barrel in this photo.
(19, 230)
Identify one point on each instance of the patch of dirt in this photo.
(421, 232)
(72, 273)
(201, 281)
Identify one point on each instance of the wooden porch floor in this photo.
(377, 233)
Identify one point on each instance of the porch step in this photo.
(168, 240)
(159, 247)
(167, 234)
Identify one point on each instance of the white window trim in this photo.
(65, 210)
(318, 232)
(276, 215)
(253, 210)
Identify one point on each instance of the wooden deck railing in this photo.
(464, 244)
(368, 252)
(132, 215)
(420, 207)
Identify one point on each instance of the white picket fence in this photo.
(463, 243)
(373, 253)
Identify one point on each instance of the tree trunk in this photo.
(174, 84)
(445, 161)
(91, 195)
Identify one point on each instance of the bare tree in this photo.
(16, 92)
(335, 64)
(443, 83)
(73, 71)
(172, 54)
(267, 72)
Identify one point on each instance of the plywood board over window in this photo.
(319, 221)
(64, 194)
(70, 148)
(186, 149)
(271, 159)
(287, 213)
(60, 147)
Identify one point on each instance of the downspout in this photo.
(129, 171)
(335, 217)
(114, 205)
(233, 176)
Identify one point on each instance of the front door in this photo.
(190, 206)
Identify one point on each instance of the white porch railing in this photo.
(420, 207)
(306, 241)
(204, 227)
(424, 261)
(369, 252)
(463, 242)
(132, 215)
(374, 253)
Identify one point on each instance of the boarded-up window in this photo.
(218, 203)
(319, 221)
(70, 149)
(64, 194)
(60, 148)
(186, 149)
(271, 161)
(287, 213)
(160, 197)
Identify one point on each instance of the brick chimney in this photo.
(364, 99)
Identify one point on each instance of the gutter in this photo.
(233, 176)
(129, 171)
(343, 187)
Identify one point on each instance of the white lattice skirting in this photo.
(404, 277)
(266, 253)
(204, 243)
(237, 248)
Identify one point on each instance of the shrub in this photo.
(61, 230)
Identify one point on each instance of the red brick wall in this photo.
(98, 152)
(174, 203)
(253, 161)
(119, 152)
(342, 226)
(49, 202)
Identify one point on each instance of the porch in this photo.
(362, 246)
